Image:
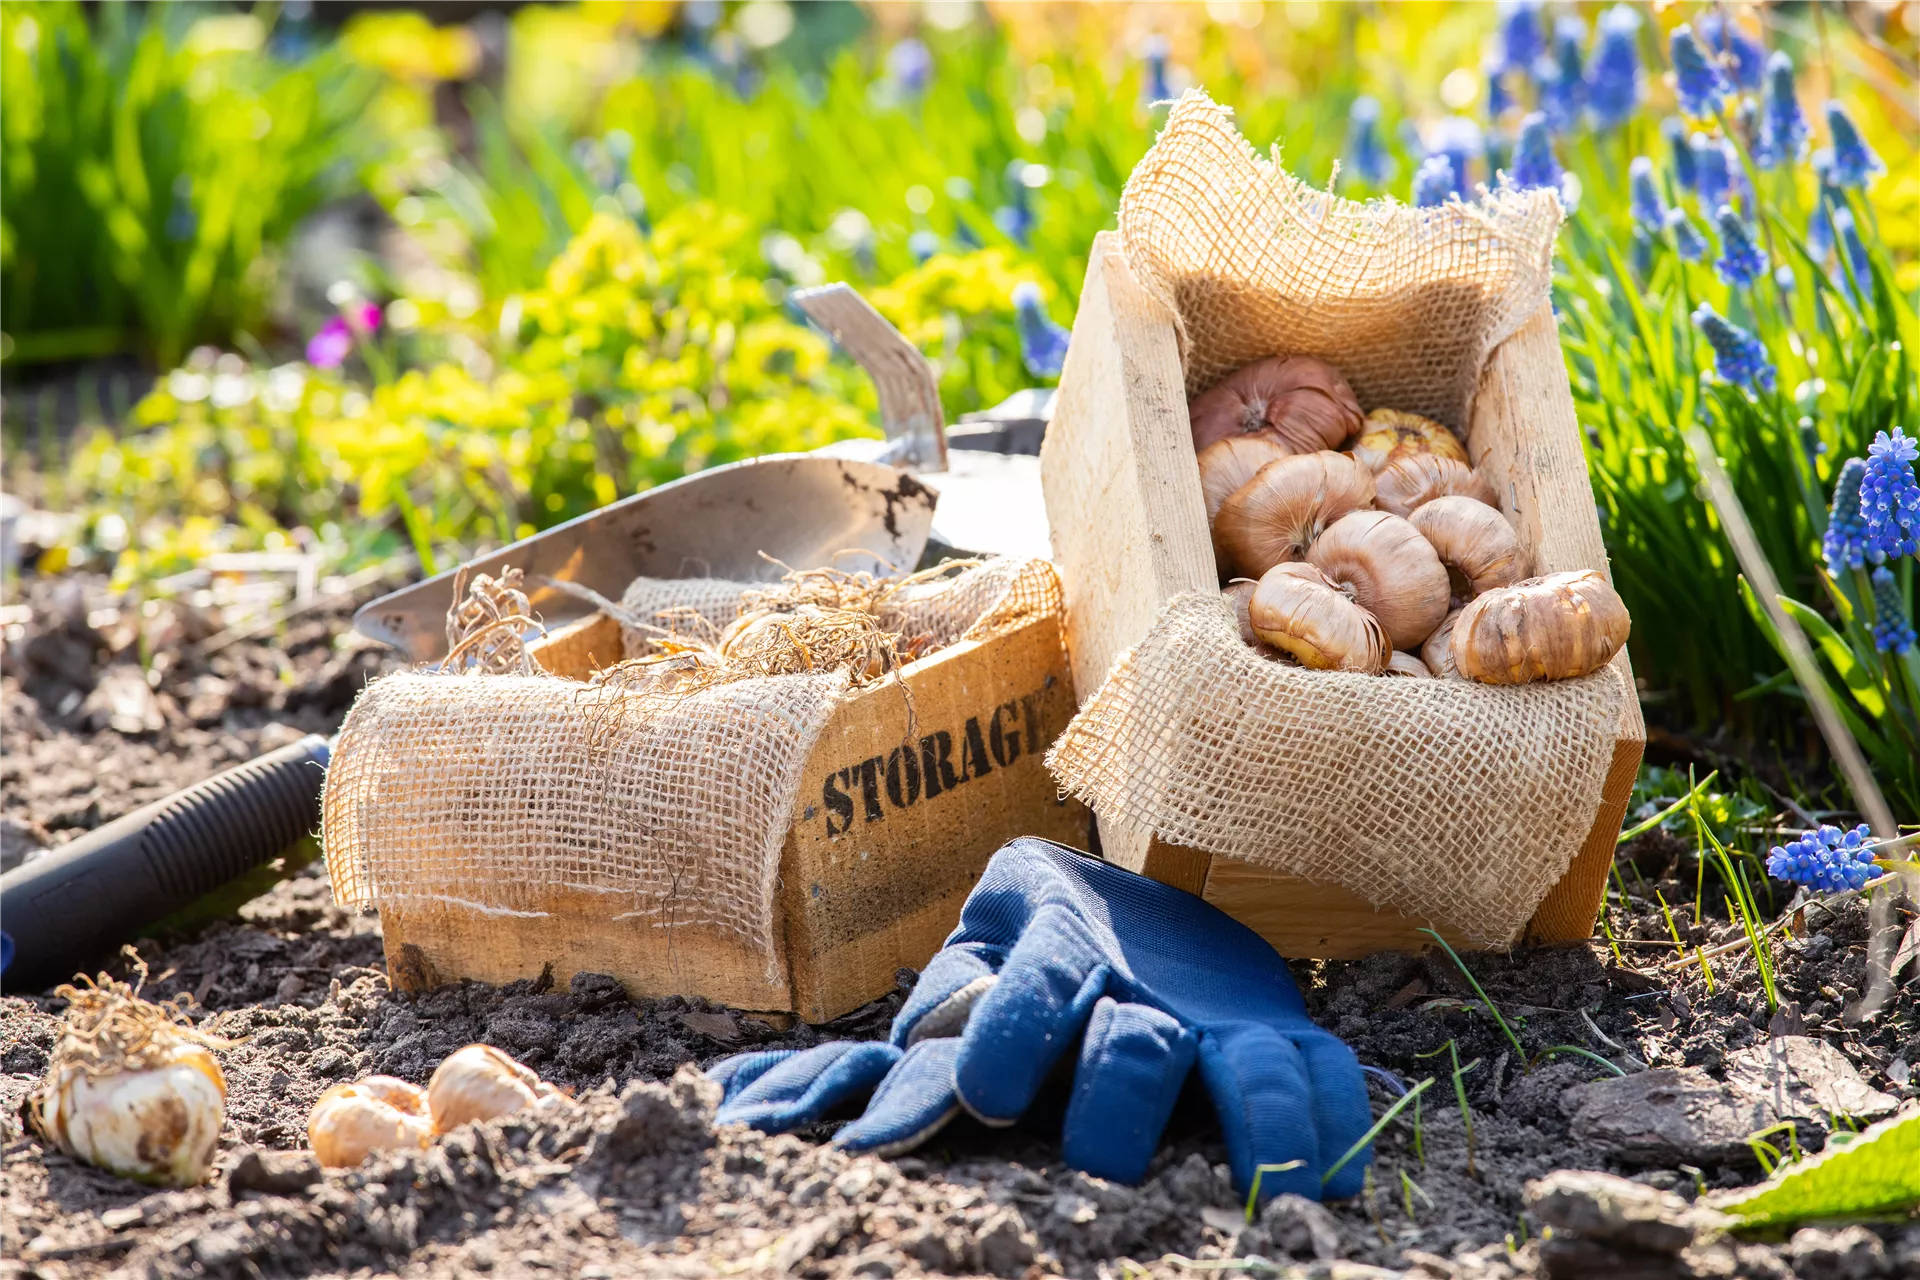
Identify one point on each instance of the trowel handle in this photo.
(909, 396)
(76, 904)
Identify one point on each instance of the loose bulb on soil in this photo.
(1555, 627)
(1303, 400)
(1390, 571)
(1437, 652)
(1275, 517)
(379, 1113)
(1405, 664)
(1476, 544)
(1386, 430)
(132, 1087)
(1413, 477)
(1297, 610)
(1227, 464)
(481, 1083)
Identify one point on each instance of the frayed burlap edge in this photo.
(1446, 800)
(1406, 302)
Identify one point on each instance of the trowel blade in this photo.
(803, 510)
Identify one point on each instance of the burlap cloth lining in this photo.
(502, 794)
(1443, 799)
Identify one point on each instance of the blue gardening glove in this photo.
(1055, 950)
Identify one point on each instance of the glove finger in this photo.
(807, 1086)
(944, 997)
(911, 1105)
(1265, 1102)
(742, 1069)
(1132, 1064)
(1341, 1113)
(1019, 1029)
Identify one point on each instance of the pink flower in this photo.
(364, 318)
(329, 348)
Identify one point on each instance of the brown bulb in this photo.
(1274, 517)
(1549, 628)
(1389, 569)
(1388, 429)
(1295, 609)
(378, 1113)
(1437, 652)
(1405, 664)
(1304, 400)
(1239, 595)
(1412, 477)
(1227, 464)
(1475, 542)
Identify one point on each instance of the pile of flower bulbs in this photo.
(1369, 543)
(384, 1113)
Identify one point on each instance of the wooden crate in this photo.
(873, 871)
(1138, 536)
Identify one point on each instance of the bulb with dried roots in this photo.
(1437, 652)
(380, 1113)
(1476, 544)
(1277, 515)
(1549, 628)
(1296, 609)
(1413, 477)
(1386, 430)
(1405, 664)
(1227, 464)
(1302, 400)
(1389, 569)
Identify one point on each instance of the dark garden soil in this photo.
(631, 1178)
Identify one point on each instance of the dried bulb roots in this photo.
(1476, 544)
(380, 1113)
(1277, 515)
(1414, 477)
(1555, 627)
(1304, 401)
(1389, 569)
(1386, 430)
(1296, 609)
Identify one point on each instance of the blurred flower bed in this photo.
(585, 222)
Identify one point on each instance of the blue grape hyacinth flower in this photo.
(1366, 155)
(1499, 98)
(1434, 182)
(1698, 80)
(1562, 76)
(1043, 343)
(1738, 53)
(1534, 164)
(1520, 38)
(910, 65)
(1783, 126)
(1738, 357)
(1890, 497)
(1826, 859)
(1687, 240)
(1460, 140)
(1649, 209)
(1854, 163)
(1844, 545)
(923, 244)
(1716, 172)
(1156, 86)
(1614, 81)
(1740, 262)
(1680, 144)
(1892, 628)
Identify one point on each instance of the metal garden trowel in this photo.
(855, 505)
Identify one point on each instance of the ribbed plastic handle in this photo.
(224, 827)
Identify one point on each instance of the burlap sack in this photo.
(1253, 262)
(497, 793)
(1443, 799)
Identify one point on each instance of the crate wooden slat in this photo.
(1130, 532)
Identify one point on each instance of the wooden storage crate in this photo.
(873, 872)
(1141, 538)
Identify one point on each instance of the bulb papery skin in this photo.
(1298, 611)
(1304, 400)
(1437, 652)
(1474, 541)
(380, 1113)
(1392, 572)
(1275, 517)
(1556, 627)
(1389, 429)
(1405, 664)
(157, 1124)
(1413, 477)
(1239, 597)
(480, 1082)
(1227, 464)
